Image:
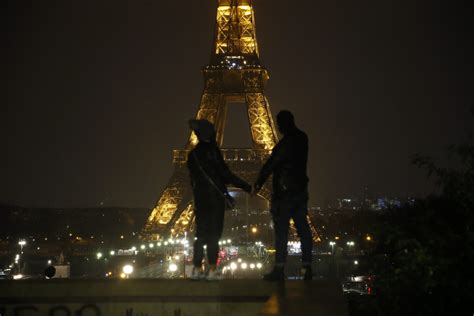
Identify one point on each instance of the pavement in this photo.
(174, 297)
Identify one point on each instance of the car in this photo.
(5, 274)
(361, 284)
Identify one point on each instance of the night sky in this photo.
(97, 93)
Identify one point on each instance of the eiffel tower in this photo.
(234, 75)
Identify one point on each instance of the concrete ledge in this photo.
(179, 297)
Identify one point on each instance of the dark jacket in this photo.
(211, 161)
(287, 163)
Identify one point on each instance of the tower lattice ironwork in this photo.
(234, 75)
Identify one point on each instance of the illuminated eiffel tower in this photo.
(234, 75)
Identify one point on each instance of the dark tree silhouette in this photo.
(424, 261)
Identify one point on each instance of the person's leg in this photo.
(198, 271)
(304, 232)
(281, 222)
(212, 254)
(200, 233)
(214, 233)
(212, 250)
(198, 252)
(217, 224)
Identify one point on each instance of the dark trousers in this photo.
(212, 250)
(209, 225)
(291, 207)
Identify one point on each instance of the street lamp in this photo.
(127, 270)
(332, 243)
(173, 267)
(350, 244)
(21, 243)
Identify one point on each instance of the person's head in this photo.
(285, 121)
(203, 129)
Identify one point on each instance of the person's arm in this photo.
(279, 154)
(228, 176)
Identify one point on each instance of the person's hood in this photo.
(203, 128)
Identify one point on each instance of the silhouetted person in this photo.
(209, 177)
(287, 163)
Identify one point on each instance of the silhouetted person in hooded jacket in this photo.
(209, 177)
(288, 163)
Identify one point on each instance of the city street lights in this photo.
(350, 244)
(127, 270)
(21, 243)
(332, 243)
